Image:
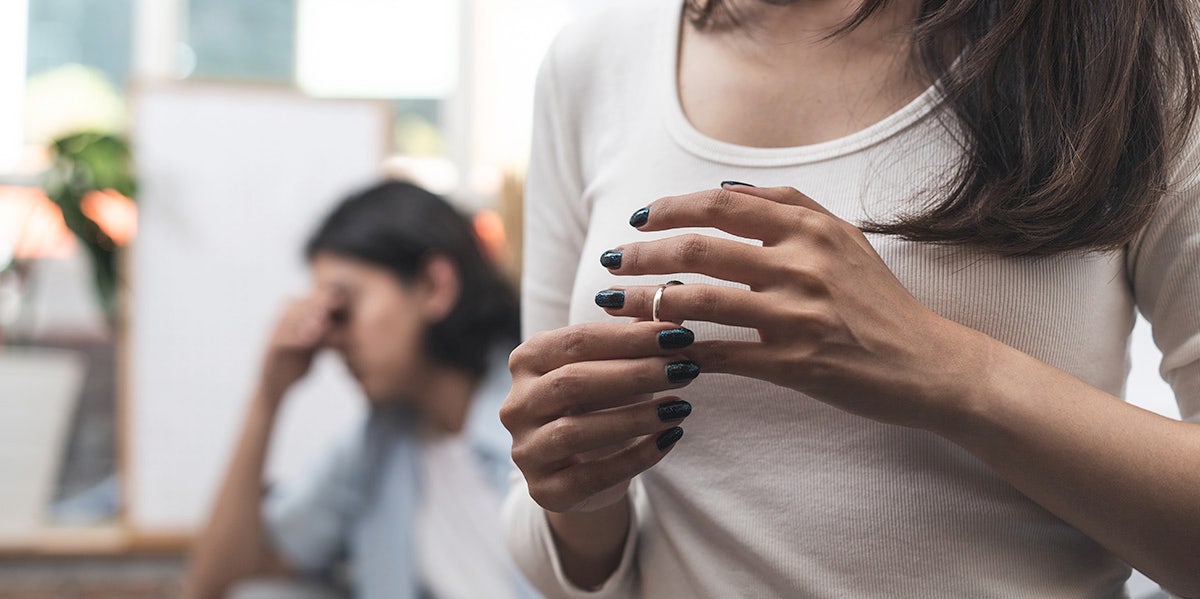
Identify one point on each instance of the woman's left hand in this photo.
(833, 320)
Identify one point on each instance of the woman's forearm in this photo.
(590, 544)
(233, 545)
(1127, 477)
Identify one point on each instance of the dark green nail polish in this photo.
(610, 298)
(674, 410)
(674, 338)
(678, 372)
(724, 183)
(640, 217)
(611, 259)
(668, 438)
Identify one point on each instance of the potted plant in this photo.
(91, 180)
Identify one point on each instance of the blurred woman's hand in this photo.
(581, 411)
(833, 320)
(297, 337)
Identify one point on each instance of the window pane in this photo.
(95, 34)
(236, 39)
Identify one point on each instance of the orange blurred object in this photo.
(32, 225)
(114, 213)
(489, 228)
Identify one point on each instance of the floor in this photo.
(91, 578)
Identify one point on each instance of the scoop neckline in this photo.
(710, 148)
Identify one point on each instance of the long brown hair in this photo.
(1070, 116)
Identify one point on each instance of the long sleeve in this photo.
(555, 215)
(308, 520)
(1164, 264)
(556, 221)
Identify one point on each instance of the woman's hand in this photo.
(297, 337)
(833, 320)
(581, 411)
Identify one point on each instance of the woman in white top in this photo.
(409, 501)
(903, 352)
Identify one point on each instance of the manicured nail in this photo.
(611, 298)
(725, 183)
(668, 438)
(674, 338)
(611, 259)
(674, 410)
(678, 372)
(640, 217)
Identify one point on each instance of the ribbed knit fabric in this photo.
(771, 493)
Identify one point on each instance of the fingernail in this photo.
(640, 217)
(611, 259)
(610, 298)
(668, 438)
(674, 410)
(724, 183)
(678, 372)
(674, 338)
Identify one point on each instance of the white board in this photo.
(233, 179)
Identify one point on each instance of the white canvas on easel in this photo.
(233, 179)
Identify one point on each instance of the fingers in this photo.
(792, 197)
(598, 385)
(580, 433)
(680, 303)
(783, 195)
(772, 214)
(303, 323)
(719, 258)
(734, 212)
(550, 350)
(744, 358)
(567, 488)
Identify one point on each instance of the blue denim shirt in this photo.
(360, 503)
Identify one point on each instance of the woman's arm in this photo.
(837, 325)
(586, 546)
(585, 422)
(234, 544)
(589, 543)
(1126, 477)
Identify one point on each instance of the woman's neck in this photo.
(781, 64)
(443, 397)
(809, 22)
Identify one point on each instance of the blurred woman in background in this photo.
(409, 501)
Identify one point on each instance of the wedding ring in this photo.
(658, 298)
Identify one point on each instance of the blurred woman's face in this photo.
(378, 324)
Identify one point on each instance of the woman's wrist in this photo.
(590, 544)
(964, 383)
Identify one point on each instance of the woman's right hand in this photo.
(582, 413)
(297, 337)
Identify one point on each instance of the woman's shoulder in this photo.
(610, 34)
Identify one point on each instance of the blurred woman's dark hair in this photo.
(399, 226)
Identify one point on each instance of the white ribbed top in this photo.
(773, 494)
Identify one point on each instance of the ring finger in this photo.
(679, 303)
